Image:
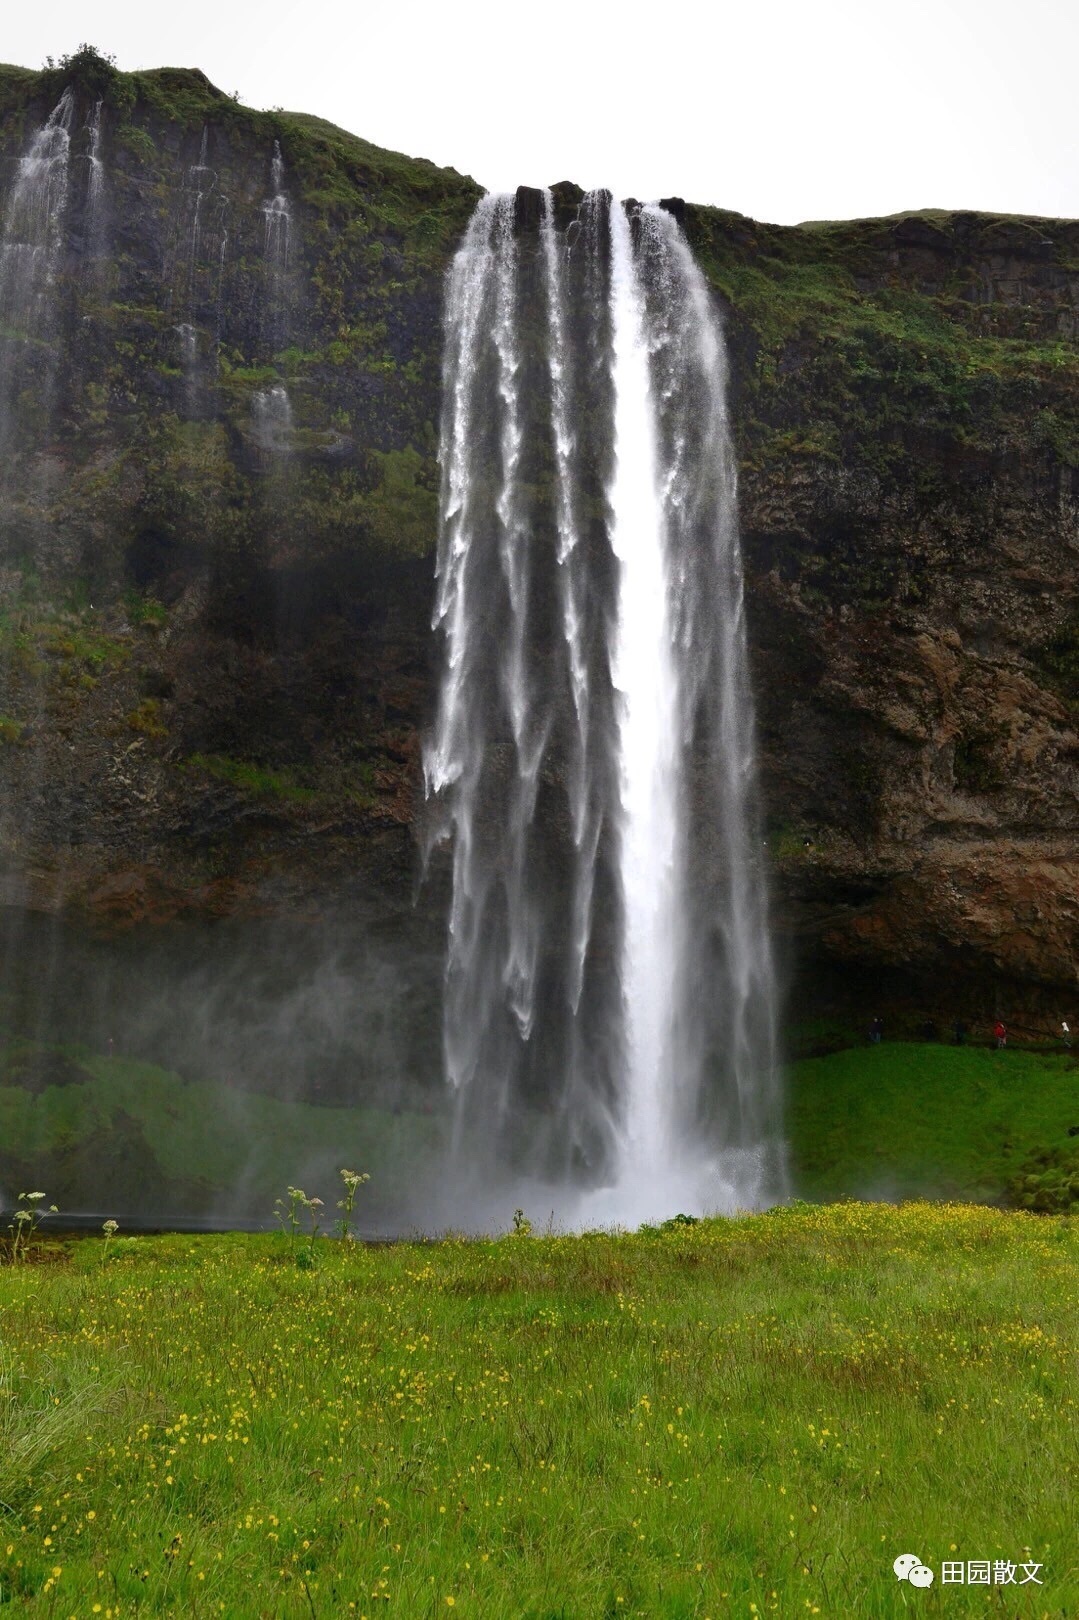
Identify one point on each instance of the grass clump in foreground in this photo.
(762, 1412)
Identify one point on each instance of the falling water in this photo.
(276, 300)
(196, 276)
(277, 212)
(609, 1001)
(697, 968)
(477, 1005)
(277, 254)
(271, 423)
(646, 678)
(585, 800)
(32, 235)
(202, 180)
(30, 251)
(96, 184)
(222, 255)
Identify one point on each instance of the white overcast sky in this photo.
(783, 109)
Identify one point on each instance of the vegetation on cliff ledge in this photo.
(162, 438)
(862, 340)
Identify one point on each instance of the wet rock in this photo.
(527, 208)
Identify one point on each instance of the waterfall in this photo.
(609, 1013)
(276, 253)
(582, 787)
(271, 424)
(33, 220)
(204, 269)
(96, 184)
(277, 213)
(276, 301)
(30, 249)
(202, 180)
(646, 678)
(697, 966)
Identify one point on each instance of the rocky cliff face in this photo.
(909, 399)
(218, 512)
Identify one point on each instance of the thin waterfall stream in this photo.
(610, 1002)
(31, 241)
(32, 225)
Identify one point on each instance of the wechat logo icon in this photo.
(909, 1567)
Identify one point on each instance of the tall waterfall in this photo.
(277, 251)
(33, 221)
(609, 1002)
(272, 415)
(30, 249)
(196, 274)
(95, 187)
(201, 180)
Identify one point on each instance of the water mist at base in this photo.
(609, 1019)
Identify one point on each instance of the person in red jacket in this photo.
(1001, 1033)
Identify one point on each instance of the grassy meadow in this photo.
(744, 1417)
(917, 1119)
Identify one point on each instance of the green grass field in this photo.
(130, 1137)
(904, 1120)
(745, 1418)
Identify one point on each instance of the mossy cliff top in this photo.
(853, 336)
(199, 347)
(338, 172)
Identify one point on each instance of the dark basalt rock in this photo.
(527, 208)
(567, 198)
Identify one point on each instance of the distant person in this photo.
(959, 1033)
(1065, 1033)
(876, 1030)
(1000, 1032)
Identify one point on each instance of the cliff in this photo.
(218, 539)
(218, 518)
(907, 392)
